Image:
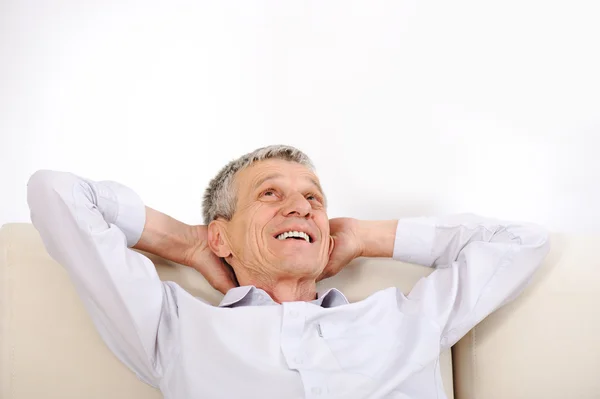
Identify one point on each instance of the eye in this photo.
(314, 197)
(270, 192)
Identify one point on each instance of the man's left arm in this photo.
(481, 264)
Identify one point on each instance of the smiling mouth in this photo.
(294, 235)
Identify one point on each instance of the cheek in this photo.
(244, 237)
(323, 225)
(257, 225)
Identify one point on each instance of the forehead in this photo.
(274, 169)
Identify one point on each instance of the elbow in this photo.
(45, 187)
(532, 237)
(40, 198)
(46, 181)
(40, 181)
(535, 246)
(543, 242)
(38, 186)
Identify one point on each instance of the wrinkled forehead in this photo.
(254, 176)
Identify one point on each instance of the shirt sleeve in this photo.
(481, 264)
(87, 227)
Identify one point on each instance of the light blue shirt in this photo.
(385, 346)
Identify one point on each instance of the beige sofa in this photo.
(546, 344)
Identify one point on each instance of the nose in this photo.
(298, 206)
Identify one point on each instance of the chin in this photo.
(297, 257)
(300, 266)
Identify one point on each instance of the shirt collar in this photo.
(249, 295)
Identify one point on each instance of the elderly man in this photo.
(266, 242)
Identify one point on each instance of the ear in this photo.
(331, 245)
(217, 239)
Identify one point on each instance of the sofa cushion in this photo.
(48, 345)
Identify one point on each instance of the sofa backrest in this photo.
(48, 345)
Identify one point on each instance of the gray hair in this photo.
(220, 196)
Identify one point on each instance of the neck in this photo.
(285, 291)
(289, 289)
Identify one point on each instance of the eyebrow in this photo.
(272, 176)
(265, 178)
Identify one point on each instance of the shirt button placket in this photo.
(291, 333)
(315, 384)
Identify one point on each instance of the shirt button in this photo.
(298, 360)
(294, 313)
(316, 390)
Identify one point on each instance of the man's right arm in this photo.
(88, 227)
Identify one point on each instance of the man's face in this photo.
(276, 197)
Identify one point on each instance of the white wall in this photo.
(406, 107)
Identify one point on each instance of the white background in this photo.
(406, 107)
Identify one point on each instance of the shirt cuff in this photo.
(414, 240)
(129, 210)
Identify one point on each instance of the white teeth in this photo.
(299, 234)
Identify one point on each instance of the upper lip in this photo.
(297, 228)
